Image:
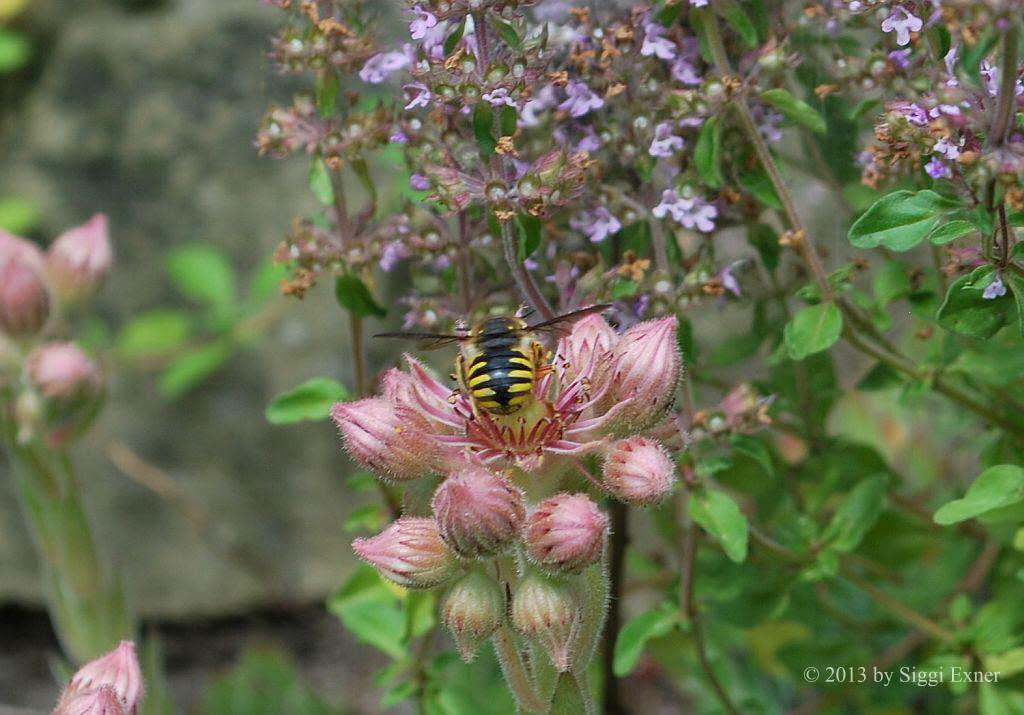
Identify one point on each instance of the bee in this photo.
(500, 358)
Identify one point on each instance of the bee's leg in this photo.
(541, 358)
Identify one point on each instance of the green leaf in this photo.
(900, 220)
(967, 312)
(371, 611)
(203, 274)
(863, 107)
(880, 377)
(857, 514)
(813, 329)
(508, 33)
(722, 518)
(739, 21)
(996, 487)
(191, 369)
(15, 50)
(1016, 284)
(483, 126)
(759, 185)
(891, 282)
(453, 39)
(763, 238)
(154, 334)
(266, 281)
(369, 518)
(266, 682)
(529, 235)
(756, 450)
(312, 400)
(796, 109)
(950, 231)
(708, 153)
(353, 295)
(624, 288)
(320, 182)
(633, 637)
(18, 215)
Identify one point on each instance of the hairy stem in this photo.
(692, 613)
(617, 560)
(514, 670)
(528, 288)
(1002, 121)
(465, 266)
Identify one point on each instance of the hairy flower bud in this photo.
(117, 673)
(472, 611)
(410, 552)
(24, 298)
(583, 352)
(390, 439)
(478, 512)
(544, 609)
(645, 371)
(70, 385)
(637, 470)
(80, 259)
(94, 702)
(566, 532)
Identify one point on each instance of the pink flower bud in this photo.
(24, 299)
(646, 366)
(478, 512)
(102, 701)
(472, 611)
(584, 351)
(638, 470)
(410, 552)
(9, 243)
(390, 439)
(117, 672)
(566, 532)
(80, 259)
(544, 609)
(70, 385)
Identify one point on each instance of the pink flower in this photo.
(422, 23)
(645, 370)
(62, 371)
(390, 439)
(637, 470)
(410, 552)
(117, 673)
(80, 259)
(902, 22)
(499, 97)
(24, 297)
(584, 353)
(418, 95)
(566, 532)
(598, 224)
(478, 512)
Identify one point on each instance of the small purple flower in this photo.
(916, 114)
(590, 142)
(938, 169)
(665, 143)
(688, 212)
(684, 71)
(947, 148)
(530, 264)
(769, 126)
(991, 74)
(729, 281)
(598, 224)
(698, 3)
(500, 97)
(399, 137)
(655, 42)
(419, 182)
(379, 67)
(417, 94)
(442, 262)
(900, 58)
(422, 23)
(995, 289)
(544, 99)
(581, 99)
(902, 22)
(392, 253)
(950, 61)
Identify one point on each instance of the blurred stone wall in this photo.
(146, 110)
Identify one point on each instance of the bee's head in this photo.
(500, 326)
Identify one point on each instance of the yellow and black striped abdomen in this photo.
(500, 378)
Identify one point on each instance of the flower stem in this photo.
(465, 264)
(528, 288)
(617, 543)
(692, 613)
(514, 670)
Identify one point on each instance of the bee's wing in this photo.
(425, 341)
(563, 323)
